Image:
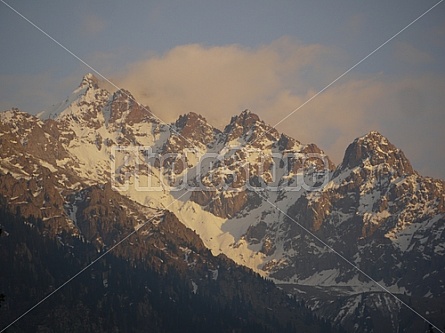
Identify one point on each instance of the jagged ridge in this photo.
(373, 208)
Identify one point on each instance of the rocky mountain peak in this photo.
(245, 119)
(189, 120)
(15, 117)
(251, 128)
(121, 102)
(123, 108)
(191, 129)
(286, 142)
(373, 137)
(83, 106)
(123, 94)
(375, 149)
(248, 117)
(89, 81)
(375, 209)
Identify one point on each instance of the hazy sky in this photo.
(218, 58)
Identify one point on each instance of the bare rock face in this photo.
(286, 142)
(256, 233)
(195, 128)
(377, 150)
(222, 204)
(251, 155)
(124, 109)
(374, 197)
(36, 197)
(248, 127)
(311, 213)
(85, 106)
(191, 131)
(282, 200)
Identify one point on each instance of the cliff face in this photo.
(99, 165)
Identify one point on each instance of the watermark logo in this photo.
(233, 169)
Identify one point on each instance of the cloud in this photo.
(275, 79)
(415, 118)
(334, 118)
(408, 111)
(272, 81)
(353, 26)
(92, 25)
(219, 81)
(409, 54)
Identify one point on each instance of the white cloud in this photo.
(409, 54)
(219, 81)
(92, 25)
(275, 79)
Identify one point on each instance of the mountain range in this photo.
(231, 213)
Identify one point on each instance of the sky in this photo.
(296, 59)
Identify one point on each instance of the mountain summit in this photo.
(251, 129)
(89, 81)
(97, 164)
(375, 149)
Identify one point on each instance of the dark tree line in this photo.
(117, 295)
(2, 296)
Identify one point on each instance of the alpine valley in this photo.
(167, 236)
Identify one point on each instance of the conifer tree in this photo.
(2, 296)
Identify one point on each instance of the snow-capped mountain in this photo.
(262, 198)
